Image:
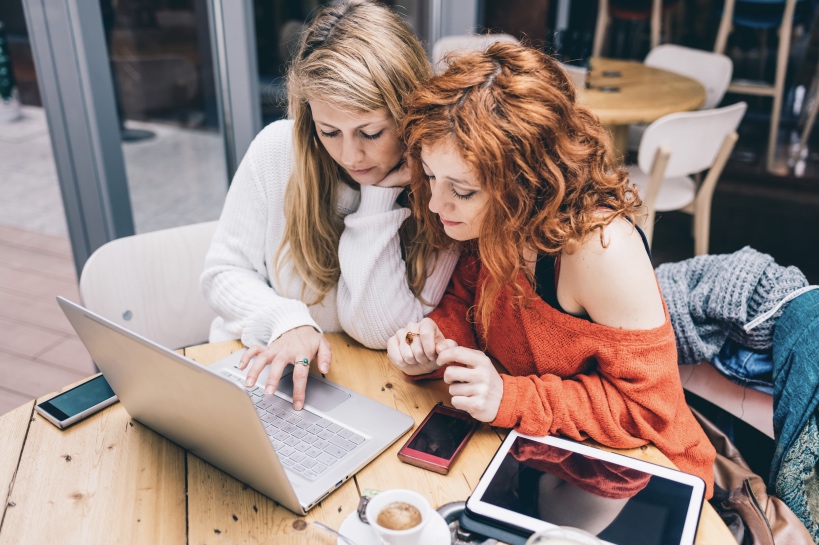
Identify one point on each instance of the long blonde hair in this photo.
(358, 56)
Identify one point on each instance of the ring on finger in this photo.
(303, 361)
(410, 337)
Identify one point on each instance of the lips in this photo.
(359, 172)
(448, 223)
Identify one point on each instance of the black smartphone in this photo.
(80, 401)
(439, 439)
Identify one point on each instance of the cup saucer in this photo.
(436, 531)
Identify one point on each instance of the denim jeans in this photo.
(745, 367)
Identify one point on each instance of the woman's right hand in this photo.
(421, 355)
(296, 344)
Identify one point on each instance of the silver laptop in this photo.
(294, 457)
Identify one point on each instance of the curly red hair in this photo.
(545, 161)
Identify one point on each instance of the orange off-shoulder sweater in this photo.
(574, 378)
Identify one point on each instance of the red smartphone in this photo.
(439, 439)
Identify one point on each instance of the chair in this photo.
(577, 74)
(673, 148)
(149, 283)
(712, 70)
(638, 11)
(752, 17)
(464, 42)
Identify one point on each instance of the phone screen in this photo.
(78, 399)
(441, 435)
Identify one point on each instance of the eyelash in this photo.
(364, 135)
(454, 193)
(462, 197)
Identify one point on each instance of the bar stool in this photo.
(753, 15)
(633, 10)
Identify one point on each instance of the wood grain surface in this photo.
(643, 94)
(109, 479)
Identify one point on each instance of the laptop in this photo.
(293, 457)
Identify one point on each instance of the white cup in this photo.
(563, 535)
(410, 536)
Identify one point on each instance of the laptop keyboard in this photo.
(306, 443)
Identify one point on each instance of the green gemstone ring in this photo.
(303, 361)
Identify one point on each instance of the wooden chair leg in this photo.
(701, 207)
(779, 82)
(656, 22)
(803, 141)
(725, 26)
(601, 27)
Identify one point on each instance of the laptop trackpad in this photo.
(319, 394)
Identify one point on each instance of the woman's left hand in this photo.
(400, 176)
(476, 388)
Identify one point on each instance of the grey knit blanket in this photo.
(710, 298)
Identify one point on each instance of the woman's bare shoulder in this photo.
(612, 278)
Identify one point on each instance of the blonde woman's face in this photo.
(456, 193)
(365, 145)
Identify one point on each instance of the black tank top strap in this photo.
(547, 273)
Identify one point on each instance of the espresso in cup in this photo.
(399, 515)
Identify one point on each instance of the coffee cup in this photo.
(398, 517)
(563, 535)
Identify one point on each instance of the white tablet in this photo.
(534, 483)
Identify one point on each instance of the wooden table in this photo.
(644, 94)
(109, 479)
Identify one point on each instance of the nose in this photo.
(352, 152)
(437, 199)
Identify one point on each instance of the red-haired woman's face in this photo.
(457, 197)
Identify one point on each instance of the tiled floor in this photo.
(39, 351)
(176, 165)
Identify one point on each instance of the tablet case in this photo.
(489, 530)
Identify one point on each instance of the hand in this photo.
(400, 176)
(421, 355)
(301, 342)
(476, 388)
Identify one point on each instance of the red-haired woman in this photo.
(556, 281)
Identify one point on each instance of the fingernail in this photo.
(249, 382)
(268, 390)
(324, 367)
(440, 347)
(298, 405)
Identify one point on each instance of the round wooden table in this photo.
(625, 92)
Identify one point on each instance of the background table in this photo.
(109, 479)
(645, 94)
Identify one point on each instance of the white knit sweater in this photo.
(372, 299)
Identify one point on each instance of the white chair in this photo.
(577, 74)
(675, 147)
(464, 42)
(149, 283)
(712, 70)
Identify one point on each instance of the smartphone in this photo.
(439, 439)
(75, 404)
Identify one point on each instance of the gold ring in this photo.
(410, 336)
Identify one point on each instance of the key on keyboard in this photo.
(306, 443)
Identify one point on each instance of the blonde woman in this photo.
(313, 236)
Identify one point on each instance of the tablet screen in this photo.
(620, 505)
